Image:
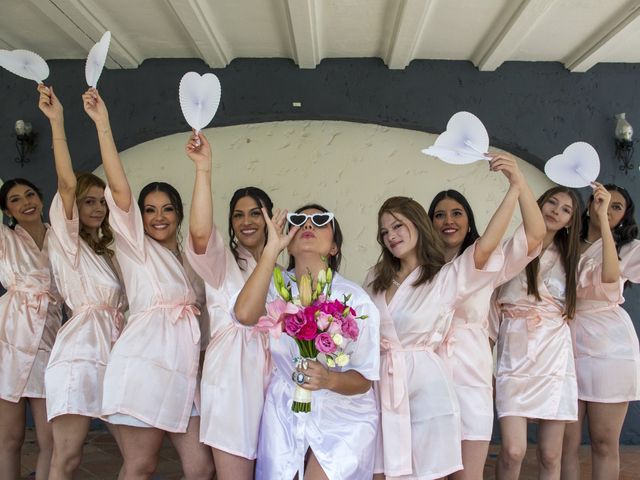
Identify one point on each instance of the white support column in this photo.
(513, 25)
(302, 17)
(409, 24)
(199, 21)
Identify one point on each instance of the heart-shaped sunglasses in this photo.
(318, 219)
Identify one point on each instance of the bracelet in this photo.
(62, 139)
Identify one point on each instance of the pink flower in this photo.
(293, 323)
(276, 311)
(324, 343)
(308, 331)
(323, 320)
(350, 328)
(336, 326)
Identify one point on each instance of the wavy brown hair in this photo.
(429, 246)
(567, 240)
(84, 181)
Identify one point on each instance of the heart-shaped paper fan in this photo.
(95, 60)
(199, 98)
(25, 64)
(577, 166)
(454, 157)
(464, 141)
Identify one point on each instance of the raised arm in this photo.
(610, 262)
(97, 111)
(250, 304)
(52, 109)
(519, 191)
(201, 215)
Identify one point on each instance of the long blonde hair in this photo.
(84, 182)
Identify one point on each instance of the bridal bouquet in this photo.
(318, 324)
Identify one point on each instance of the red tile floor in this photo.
(102, 460)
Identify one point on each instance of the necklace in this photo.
(587, 241)
(395, 282)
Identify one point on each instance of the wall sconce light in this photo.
(25, 141)
(624, 143)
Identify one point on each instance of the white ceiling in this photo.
(578, 33)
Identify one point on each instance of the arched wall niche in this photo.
(350, 168)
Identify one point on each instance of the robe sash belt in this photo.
(184, 311)
(533, 317)
(396, 419)
(449, 342)
(38, 301)
(115, 312)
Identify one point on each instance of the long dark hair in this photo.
(174, 198)
(472, 234)
(4, 192)
(626, 230)
(567, 240)
(84, 181)
(429, 246)
(262, 200)
(333, 261)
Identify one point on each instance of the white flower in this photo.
(342, 359)
(337, 339)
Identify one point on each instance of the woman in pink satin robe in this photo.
(151, 377)
(30, 316)
(467, 350)
(417, 293)
(78, 251)
(605, 342)
(338, 434)
(236, 368)
(535, 377)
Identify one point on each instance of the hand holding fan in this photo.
(577, 166)
(464, 141)
(25, 64)
(199, 98)
(95, 60)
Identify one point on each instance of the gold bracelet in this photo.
(62, 139)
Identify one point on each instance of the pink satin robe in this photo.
(152, 370)
(236, 368)
(535, 375)
(340, 429)
(420, 416)
(467, 352)
(30, 314)
(93, 292)
(605, 342)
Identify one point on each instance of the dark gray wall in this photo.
(531, 109)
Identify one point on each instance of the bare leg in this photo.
(196, 459)
(550, 437)
(474, 456)
(571, 446)
(12, 422)
(314, 471)
(232, 467)
(44, 435)
(605, 425)
(115, 433)
(140, 447)
(513, 448)
(69, 434)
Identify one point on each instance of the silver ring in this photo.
(298, 377)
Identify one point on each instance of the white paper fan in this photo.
(25, 64)
(464, 141)
(577, 166)
(95, 60)
(199, 98)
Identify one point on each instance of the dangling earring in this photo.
(11, 221)
(469, 231)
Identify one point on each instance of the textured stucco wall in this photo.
(348, 167)
(531, 109)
